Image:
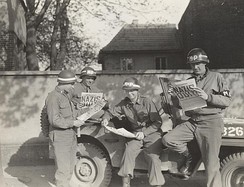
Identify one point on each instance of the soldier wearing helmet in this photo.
(204, 124)
(62, 120)
(197, 55)
(86, 85)
(143, 120)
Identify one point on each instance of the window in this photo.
(161, 62)
(126, 64)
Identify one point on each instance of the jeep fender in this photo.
(111, 143)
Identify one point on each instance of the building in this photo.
(12, 34)
(217, 26)
(143, 47)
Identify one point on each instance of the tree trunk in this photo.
(64, 26)
(54, 38)
(61, 23)
(31, 56)
(32, 23)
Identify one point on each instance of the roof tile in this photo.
(145, 37)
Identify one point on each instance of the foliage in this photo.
(78, 51)
(33, 20)
(82, 45)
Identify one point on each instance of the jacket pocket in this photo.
(65, 109)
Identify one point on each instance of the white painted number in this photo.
(233, 131)
(239, 131)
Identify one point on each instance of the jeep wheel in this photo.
(93, 168)
(232, 170)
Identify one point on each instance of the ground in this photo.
(43, 176)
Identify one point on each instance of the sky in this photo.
(159, 12)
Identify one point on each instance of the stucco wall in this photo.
(22, 97)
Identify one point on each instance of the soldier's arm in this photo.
(222, 97)
(115, 111)
(54, 116)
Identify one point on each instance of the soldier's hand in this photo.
(201, 93)
(140, 135)
(104, 122)
(79, 106)
(78, 123)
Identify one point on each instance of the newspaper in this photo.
(188, 97)
(121, 132)
(92, 110)
(89, 99)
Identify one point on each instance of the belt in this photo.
(196, 117)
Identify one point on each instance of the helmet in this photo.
(131, 84)
(88, 71)
(197, 55)
(66, 77)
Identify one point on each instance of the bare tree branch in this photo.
(40, 16)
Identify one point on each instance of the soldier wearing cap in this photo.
(205, 125)
(62, 119)
(144, 121)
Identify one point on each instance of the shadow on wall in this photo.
(19, 97)
(235, 82)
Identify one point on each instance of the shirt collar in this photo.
(200, 77)
(85, 86)
(138, 101)
(57, 88)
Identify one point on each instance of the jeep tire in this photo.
(93, 167)
(232, 170)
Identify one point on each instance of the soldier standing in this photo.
(205, 124)
(62, 119)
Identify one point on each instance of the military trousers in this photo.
(208, 136)
(65, 148)
(151, 145)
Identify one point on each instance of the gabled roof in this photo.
(136, 37)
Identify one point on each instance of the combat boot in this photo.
(187, 169)
(126, 181)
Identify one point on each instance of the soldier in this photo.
(62, 119)
(205, 124)
(88, 76)
(145, 122)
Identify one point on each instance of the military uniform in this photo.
(61, 115)
(205, 124)
(62, 119)
(143, 117)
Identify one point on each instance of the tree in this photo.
(58, 47)
(33, 20)
(62, 41)
(61, 24)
